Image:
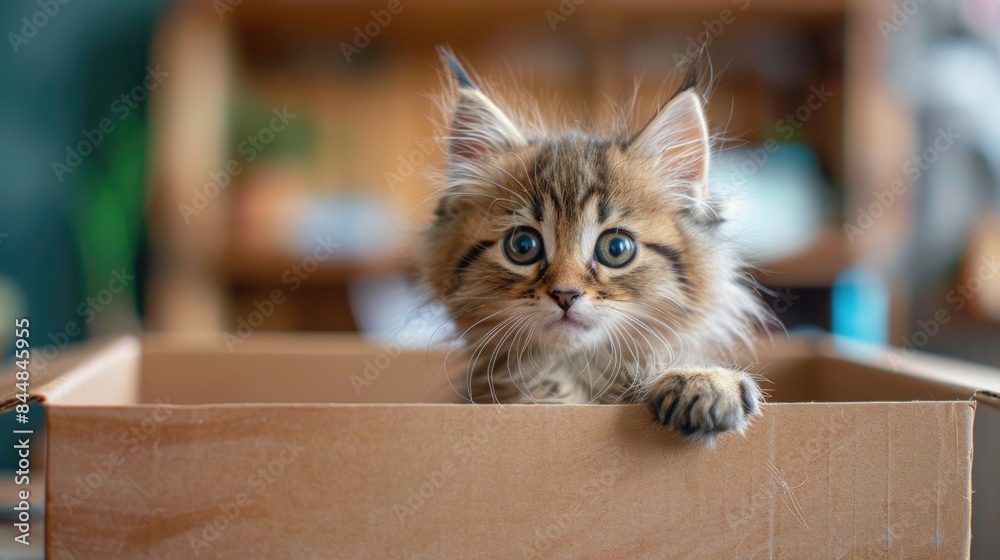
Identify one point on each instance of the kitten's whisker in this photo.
(636, 322)
(496, 351)
(474, 325)
(480, 348)
(524, 388)
(518, 352)
(489, 181)
(611, 379)
(524, 189)
(527, 175)
(665, 314)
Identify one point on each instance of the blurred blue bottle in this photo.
(860, 304)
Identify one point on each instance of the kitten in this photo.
(582, 268)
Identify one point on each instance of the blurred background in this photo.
(234, 166)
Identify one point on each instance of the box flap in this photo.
(979, 382)
(102, 371)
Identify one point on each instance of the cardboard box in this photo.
(153, 453)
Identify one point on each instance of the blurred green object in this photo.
(251, 115)
(112, 209)
(66, 229)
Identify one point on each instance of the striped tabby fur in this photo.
(638, 333)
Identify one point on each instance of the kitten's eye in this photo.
(523, 246)
(615, 248)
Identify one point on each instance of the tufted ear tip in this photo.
(457, 71)
(479, 127)
(690, 78)
(677, 139)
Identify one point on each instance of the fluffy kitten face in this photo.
(574, 243)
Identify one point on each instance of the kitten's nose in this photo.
(565, 298)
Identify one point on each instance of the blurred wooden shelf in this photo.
(266, 27)
(308, 16)
(250, 267)
(313, 294)
(818, 265)
(367, 116)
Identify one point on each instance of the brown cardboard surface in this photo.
(859, 480)
(292, 369)
(345, 369)
(918, 366)
(292, 475)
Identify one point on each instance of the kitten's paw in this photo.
(704, 402)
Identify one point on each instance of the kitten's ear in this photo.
(478, 126)
(677, 139)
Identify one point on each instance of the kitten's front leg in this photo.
(704, 401)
